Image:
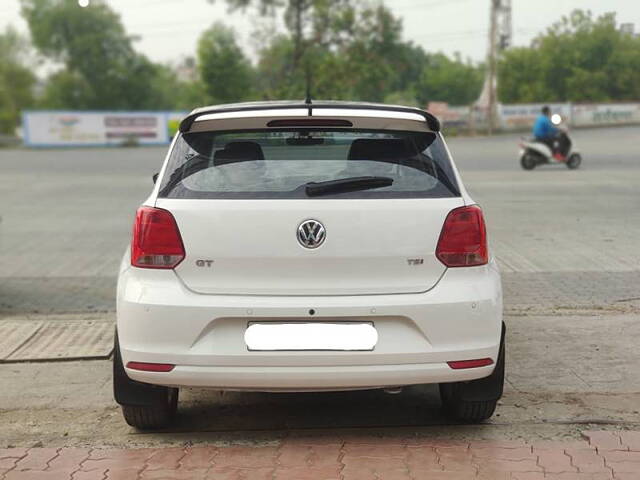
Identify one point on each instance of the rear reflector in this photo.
(463, 240)
(480, 362)
(156, 240)
(150, 367)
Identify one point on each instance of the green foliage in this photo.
(407, 98)
(66, 90)
(517, 77)
(276, 76)
(182, 94)
(98, 58)
(449, 80)
(371, 57)
(310, 23)
(359, 54)
(225, 72)
(578, 59)
(16, 80)
(345, 49)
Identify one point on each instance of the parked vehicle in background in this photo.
(321, 246)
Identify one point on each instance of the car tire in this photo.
(143, 406)
(149, 417)
(465, 411)
(464, 402)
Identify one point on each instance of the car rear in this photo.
(298, 249)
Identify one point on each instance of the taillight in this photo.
(156, 240)
(463, 239)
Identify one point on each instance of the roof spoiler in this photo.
(187, 122)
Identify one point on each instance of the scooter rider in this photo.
(545, 132)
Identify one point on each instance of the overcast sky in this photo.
(169, 29)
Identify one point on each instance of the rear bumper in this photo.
(161, 321)
(295, 379)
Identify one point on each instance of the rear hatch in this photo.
(239, 198)
(251, 247)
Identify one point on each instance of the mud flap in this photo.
(489, 388)
(130, 392)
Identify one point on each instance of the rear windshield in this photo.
(282, 163)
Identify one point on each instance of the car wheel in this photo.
(474, 401)
(528, 161)
(574, 161)
(464, 411)
(146, 417)
(143, 406)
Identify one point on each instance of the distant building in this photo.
(186, 70)
(628, 28)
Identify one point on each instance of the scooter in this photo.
(534, 153)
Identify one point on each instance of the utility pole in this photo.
(500, 35)
(492, 65)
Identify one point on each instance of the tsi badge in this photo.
(415, 261)
(204, 263)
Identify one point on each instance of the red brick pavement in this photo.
(601, 455)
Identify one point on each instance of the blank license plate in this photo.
(310, 336)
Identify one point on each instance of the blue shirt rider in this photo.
(545, 132)
(543, 129)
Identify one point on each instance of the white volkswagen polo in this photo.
(299, 246)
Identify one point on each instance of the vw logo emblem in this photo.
(311, 234)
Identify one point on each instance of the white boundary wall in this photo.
(518, 117)
(606, 114)
(85, 129)
(515, 117)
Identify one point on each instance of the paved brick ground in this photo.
(602, 455)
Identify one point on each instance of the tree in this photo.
(16, 80)
(519, 77)
(579, 58)
(225, 72)
(315, 29)
(372, 55)
(97, 55)
(449, 80)
(356, 51)
(66, 90)
(358, 54)
(276, 77)
(309, 22)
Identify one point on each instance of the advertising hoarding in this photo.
(606, 114)
(448, 115)
(67, 129)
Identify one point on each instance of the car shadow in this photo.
(214, 411)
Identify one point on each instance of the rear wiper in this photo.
(344, 185)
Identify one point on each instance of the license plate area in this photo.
(310, 336)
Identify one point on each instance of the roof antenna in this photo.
(307, 99)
